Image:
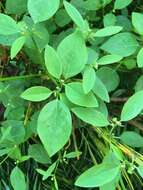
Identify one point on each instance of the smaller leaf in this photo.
(41, 10)
(36, 93)
(38, 153)
(72, 154)
(140, 58)
(109, 20)
(47, 173)
(76, 95)
(17, 46)
(8, 25)
(100, 90)
(17, 179)
(109, 78)
(94, 176)
(120, 4)
(91, 116)
(75, 15)
(132, 139)
(109, 59)
(137, 21)
(53, 62)
(88, 79)
(108, 31)
(132, 107)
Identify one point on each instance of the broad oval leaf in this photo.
(109, 78)
(36, 93)
(120, 4)
(132, 107)
(54, 126)
(17, 179)
(140, 58)
(76, 95)
(132, 139)
(109, 19)
(88, 79)
(100, 90)
(38, 153)
(108, 31)
(98, 176)
(123, 44)
(53, 62)
(16, 7)
(73, 54)
(91, 116)
(137, 21)
(41, 10)
(109, 59)
(16, 46)
(8, 25)
(75, 15)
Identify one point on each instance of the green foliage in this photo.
(132, 139)
(71, 90)
(132, 107)
(36, 93)
(9, 25)
(17, 179)
(42, 10)
(54, 121)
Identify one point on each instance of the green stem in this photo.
(21, 77)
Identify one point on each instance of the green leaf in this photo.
(140, 58)
(109, 78)
(132, 107)
(109, 20)
(140, 170)
(76, 95)
(137, 21)
(54, 126)
(92, 5)
(41, 10)
(108, 31)
(47, 173)
(123, 44)
(62, 18)
(17, 46)
(132, 139)
(75, 15)
(100, 90)
(73, 54)
(91, 116)
(8, 25)
(94, 176)
(72, 154)
(36, 93)
(40, 35)
(38, 153)
(16, 7)
(109, 59)
(88, 79)
(139, 84)
(53, 62)
(17, 179)
(12, 133)
(120, 4)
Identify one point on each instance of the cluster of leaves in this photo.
(67, 67)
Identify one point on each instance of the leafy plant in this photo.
(71, 94)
